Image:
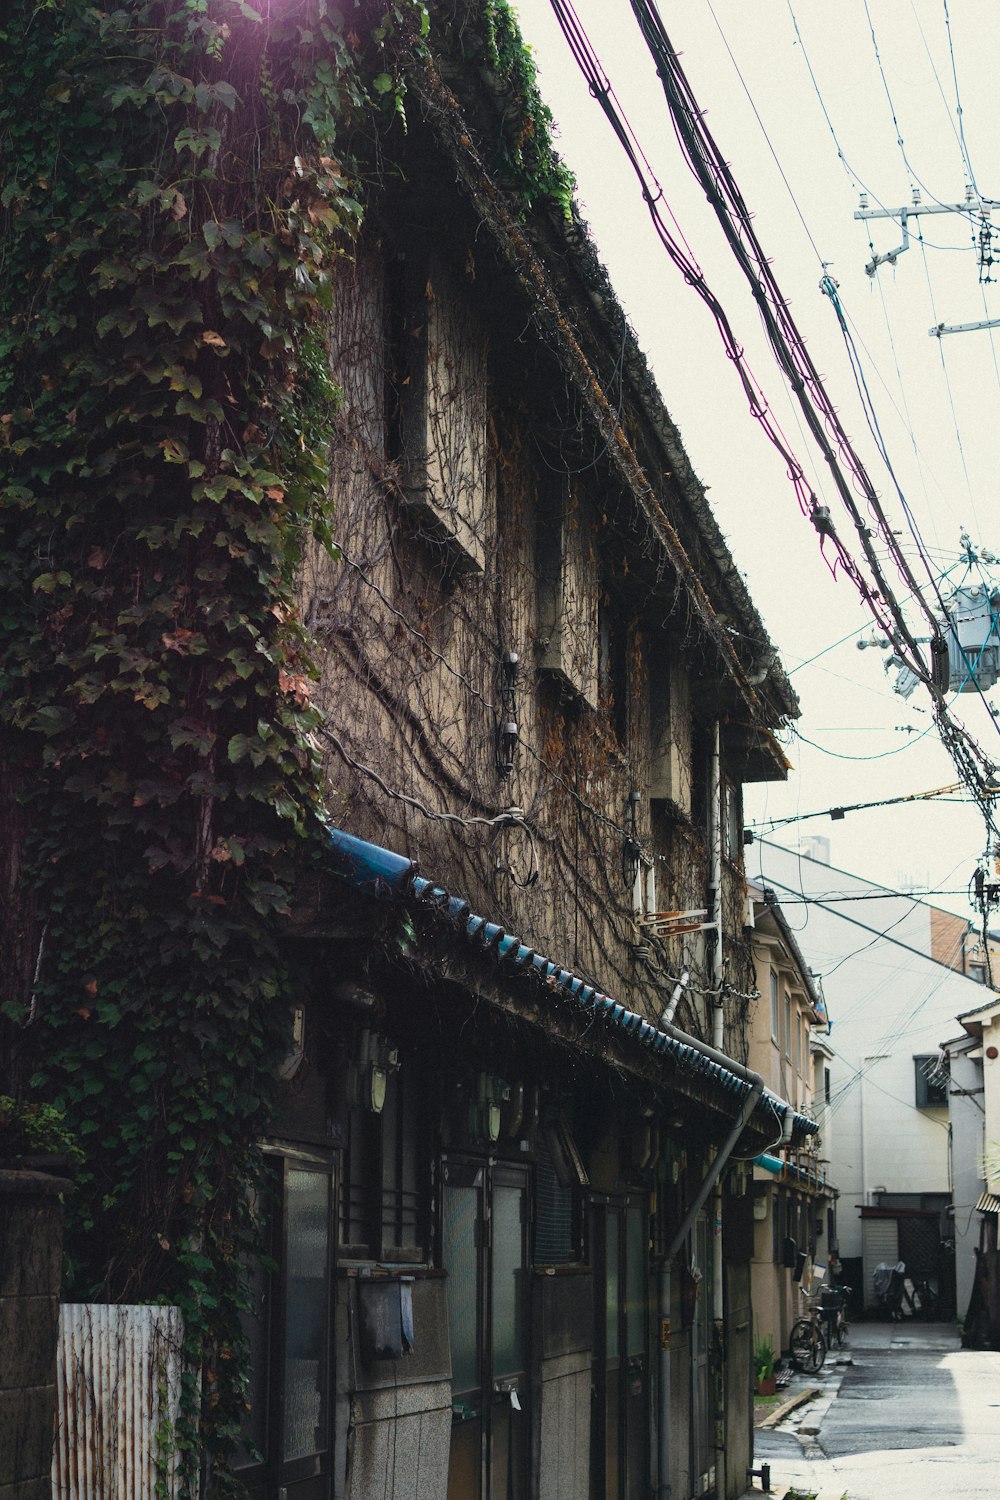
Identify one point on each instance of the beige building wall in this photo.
(786, 1050)
(991, 1098)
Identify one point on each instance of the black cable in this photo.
(714, 176)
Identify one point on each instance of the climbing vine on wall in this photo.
(527, 145)
(177, 192)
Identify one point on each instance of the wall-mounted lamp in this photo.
(373, 1060)
(490, 1093)
(508, 733)
(296, 1054)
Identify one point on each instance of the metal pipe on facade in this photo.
(663, 1373)
(722, 1156)
(717, 806)
(716, 818)
(675, 995)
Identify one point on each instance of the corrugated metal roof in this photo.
(381, 872)
(988, 1203)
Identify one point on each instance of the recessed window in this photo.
(287, 1427)
(774, 1005)
(612, 665)
(788, 1026)
(931, 1080)
(437, 406)
(733, 822)
(380, 1216)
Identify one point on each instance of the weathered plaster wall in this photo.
(414, 621)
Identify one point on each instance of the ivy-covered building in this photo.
(399, 695)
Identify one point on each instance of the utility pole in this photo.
(973, 207)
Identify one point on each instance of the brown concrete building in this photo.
(513, 1256)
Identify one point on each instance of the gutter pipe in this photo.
(716, 835)
(722, 1156)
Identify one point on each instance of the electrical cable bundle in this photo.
(714, 176)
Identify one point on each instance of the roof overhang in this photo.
(689, 1066)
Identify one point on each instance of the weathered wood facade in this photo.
(543, 682)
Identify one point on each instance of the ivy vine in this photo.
(527, 146)
(177, 190)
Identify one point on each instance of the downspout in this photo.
(722, 1156)
(715, 886)
(716, 834)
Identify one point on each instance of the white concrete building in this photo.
(891, 1003)
(974, 1100)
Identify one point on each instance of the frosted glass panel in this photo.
(635, 1281)
(306, 1312)
(508, 1281)
(613, 1284)
(461, 1206)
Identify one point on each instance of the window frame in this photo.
(272, 1472)
(929, 1093)
(374, 1191)
(788, 1025)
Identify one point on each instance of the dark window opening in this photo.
(613, 666)
(380, 1206)
(286, 1434)
(931, 1080)
(400, 350)
(732, 822)
(559, 1175)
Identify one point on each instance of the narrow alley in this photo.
(903, 1412)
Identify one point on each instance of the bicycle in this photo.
(927, 1304)
(833, 1311)
(806, 1342)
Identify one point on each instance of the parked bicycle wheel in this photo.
(807, 1346)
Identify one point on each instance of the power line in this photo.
(959, 112)
(712, 172)
(865, 926)
(838, 812)
(878, 755)
(830, 897)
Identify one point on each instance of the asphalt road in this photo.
(912, 1417)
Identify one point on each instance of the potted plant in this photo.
(763, 1365)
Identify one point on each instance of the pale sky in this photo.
(937, 401)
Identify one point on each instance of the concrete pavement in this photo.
(905, 1415)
